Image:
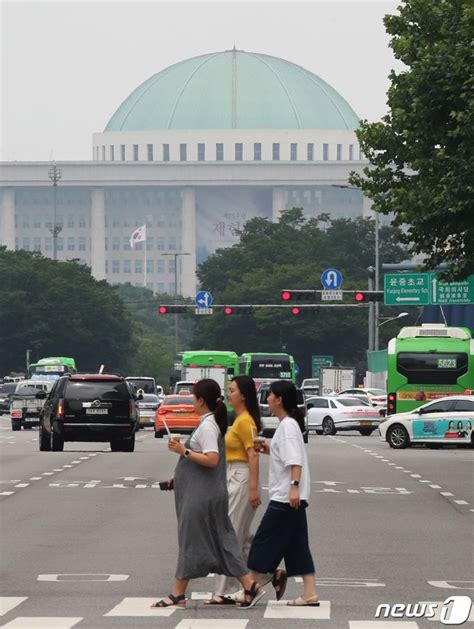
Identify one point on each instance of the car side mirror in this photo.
(420, 411)
(41, 395)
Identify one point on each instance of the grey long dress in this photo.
(206, 538)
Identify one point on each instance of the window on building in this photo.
(310, 152)
(183, 152)
(82, 243)
(25, 221)
(60, 243)
(149, 152)
(60, 221)
(160, 243)
(219, 151)
(160, 287)
(115, 266)
(70, 244)
(116, 243)
(139, 265)
(106, 241)
(171, 265)
(160, 266)
(135, 152)
(150, 243)
(257, 151)
(112, 153)
(166, 152)
(351, 152)
(239, 152)
(325, 152)
(106, 266)
(149, 266)
(48, 244)
(103, 153)
(339, 152)
(171, 289)
(122, 152)
(127, 266)
(70, 221)
(172, 243)
(36, 244)
(37, 222)
(126, 243)
(82, 222)
(293, 152)
(276, 151)
(201, 152)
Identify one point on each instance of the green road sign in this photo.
(407, 289)
(451, 292)
(320, 361)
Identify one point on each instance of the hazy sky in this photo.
(67, 66)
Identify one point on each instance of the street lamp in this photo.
(388, 319)
(176, 254)
(55, 175)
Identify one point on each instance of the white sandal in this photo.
(304, 602)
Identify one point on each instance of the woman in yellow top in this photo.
(242, 472)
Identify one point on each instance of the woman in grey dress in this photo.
(206, 538)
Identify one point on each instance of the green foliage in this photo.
(292, 254)
(421, 154)
(59, 309)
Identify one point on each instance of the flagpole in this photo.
(144, 266)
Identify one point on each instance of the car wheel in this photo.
(57, 442)
(318, 432)
(128, 444)
(366, 432)
(397, 437)
(16, 424)
(44, 440)
(159, 434)
(328, 426)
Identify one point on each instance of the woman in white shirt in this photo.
(283, 531)
(206, 538)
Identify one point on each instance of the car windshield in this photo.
(24, 391)
(97, 390)
(175, 401)
(150, 398)
(376, 392)
(8, 388)
(351, 402)
(146, 385)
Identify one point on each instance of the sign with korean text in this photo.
(407, 289)
(447, 293)
(317, 362)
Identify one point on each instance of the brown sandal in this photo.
(279, 582)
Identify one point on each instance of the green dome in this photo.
(233, 90)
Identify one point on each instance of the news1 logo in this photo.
(454, 611)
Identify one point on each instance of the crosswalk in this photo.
(139, 607)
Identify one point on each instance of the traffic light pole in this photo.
(371, 330)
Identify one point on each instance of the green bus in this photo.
(218, 365)
(426, 363)
(263, 367)
(52, 367)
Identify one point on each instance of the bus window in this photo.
(431, 368)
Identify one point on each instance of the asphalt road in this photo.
(88, 540)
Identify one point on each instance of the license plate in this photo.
(97, 411)
(366, 423)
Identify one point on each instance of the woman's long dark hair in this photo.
(287, 392)
(210, 392)
(247, 389)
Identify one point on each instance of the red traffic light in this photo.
(163, 310)
(286, 295)
(296, 311)
(228, 310)
(359, 297)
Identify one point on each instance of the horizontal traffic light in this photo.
(237, 310)
(302, 310)
(364, 296)
(162, 310)
(298, 295)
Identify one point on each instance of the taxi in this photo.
(176, 412)
(447, 420)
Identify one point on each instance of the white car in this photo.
(327, 415)
(377, 397)
(448, 420)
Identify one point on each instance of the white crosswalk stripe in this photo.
(7, 603)
(139, 606)
(280, 609)
(42, 622)
(382, 624)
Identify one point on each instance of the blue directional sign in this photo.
(331, 279)
(204, 299)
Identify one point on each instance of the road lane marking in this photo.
(6, 493)
(7, 603)
(280, 609)
(461, 502)
(35, 478)
(201, 596)
(215, 623)
(435, 486)
(446, 585)
(22, 485)
(138, 606)
(42, 622)
(82, 577)
(382, 624)
(415, 475)
(446, 493)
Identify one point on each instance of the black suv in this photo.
(94, 407)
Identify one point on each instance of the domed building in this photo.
(192, 153)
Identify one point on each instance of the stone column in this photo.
(7, 219)
(278, 203)
(98, 233)
(188, 243)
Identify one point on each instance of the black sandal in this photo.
(255, 593)
(176, 601)
(279, 582)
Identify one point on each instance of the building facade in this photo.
(193, 153)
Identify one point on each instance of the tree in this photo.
(59, 309)
(292, 253)
(421, 158)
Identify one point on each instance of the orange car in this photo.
(178, 413)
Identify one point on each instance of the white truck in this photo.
(335, 379)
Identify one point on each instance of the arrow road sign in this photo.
(331, 279)
(203, 299)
